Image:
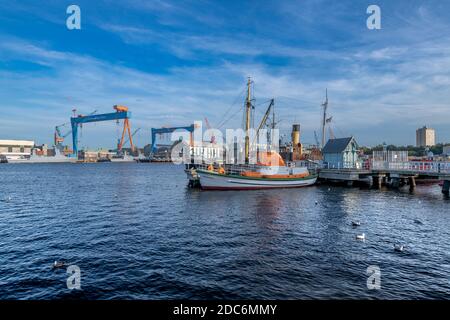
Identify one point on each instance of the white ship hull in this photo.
(127, 159)
(42, 159)
(215, 181)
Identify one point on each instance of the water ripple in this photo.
(137, 232)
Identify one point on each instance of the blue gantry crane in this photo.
(156, 131)
(121, 113)
(60, 136)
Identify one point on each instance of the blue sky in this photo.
(173, 62)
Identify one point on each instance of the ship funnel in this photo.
(295, 134)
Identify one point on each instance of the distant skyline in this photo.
(174, 62)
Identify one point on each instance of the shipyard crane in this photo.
(126, 128)
(59, 136)
(132, 135)
(121, 113)
(316, 138)
(213, 138)
(324, 119)
(158, 131)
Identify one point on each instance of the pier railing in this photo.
(413, 166)
(345, 165)
(430, 167)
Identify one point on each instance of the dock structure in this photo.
(395, 174)
(348, 175)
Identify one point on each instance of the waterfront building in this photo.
(341, 153)
(425, 137)
(16, 149)
(208, 152)
(446, 150)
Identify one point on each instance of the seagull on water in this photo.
(361, 236)
(58, 264)
(356, 223)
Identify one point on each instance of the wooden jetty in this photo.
(394, 174)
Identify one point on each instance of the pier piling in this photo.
(412, 183)
(395, 182)
(377, 181)
(446, 187)
(394, 178)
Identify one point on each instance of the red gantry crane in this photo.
(213, 138)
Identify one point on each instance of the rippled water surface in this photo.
(137, 232)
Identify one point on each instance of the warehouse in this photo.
(16, 149)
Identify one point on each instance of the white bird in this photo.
(361, 236)
(399, 247)
(58, 264)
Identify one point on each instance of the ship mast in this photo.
(248, 108)
(324, 120)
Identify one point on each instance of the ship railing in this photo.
(239, 169)
(233, 169)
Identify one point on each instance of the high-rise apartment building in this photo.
(425, 137)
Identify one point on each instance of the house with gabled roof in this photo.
(340, 153)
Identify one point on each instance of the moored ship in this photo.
(270, 170)
(34, 158)
(259, 177)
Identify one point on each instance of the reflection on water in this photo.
(138, 232)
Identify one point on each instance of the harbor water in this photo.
(136, 231)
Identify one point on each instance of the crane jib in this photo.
(101, 117)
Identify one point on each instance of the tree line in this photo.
(412, 150)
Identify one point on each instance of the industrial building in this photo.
(208, 152)
(446, 150)
(16, 149)
(425, 137)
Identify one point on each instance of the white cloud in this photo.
(358, 101)
(390, 78)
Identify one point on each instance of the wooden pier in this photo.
(394, 174)
(347, 175)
